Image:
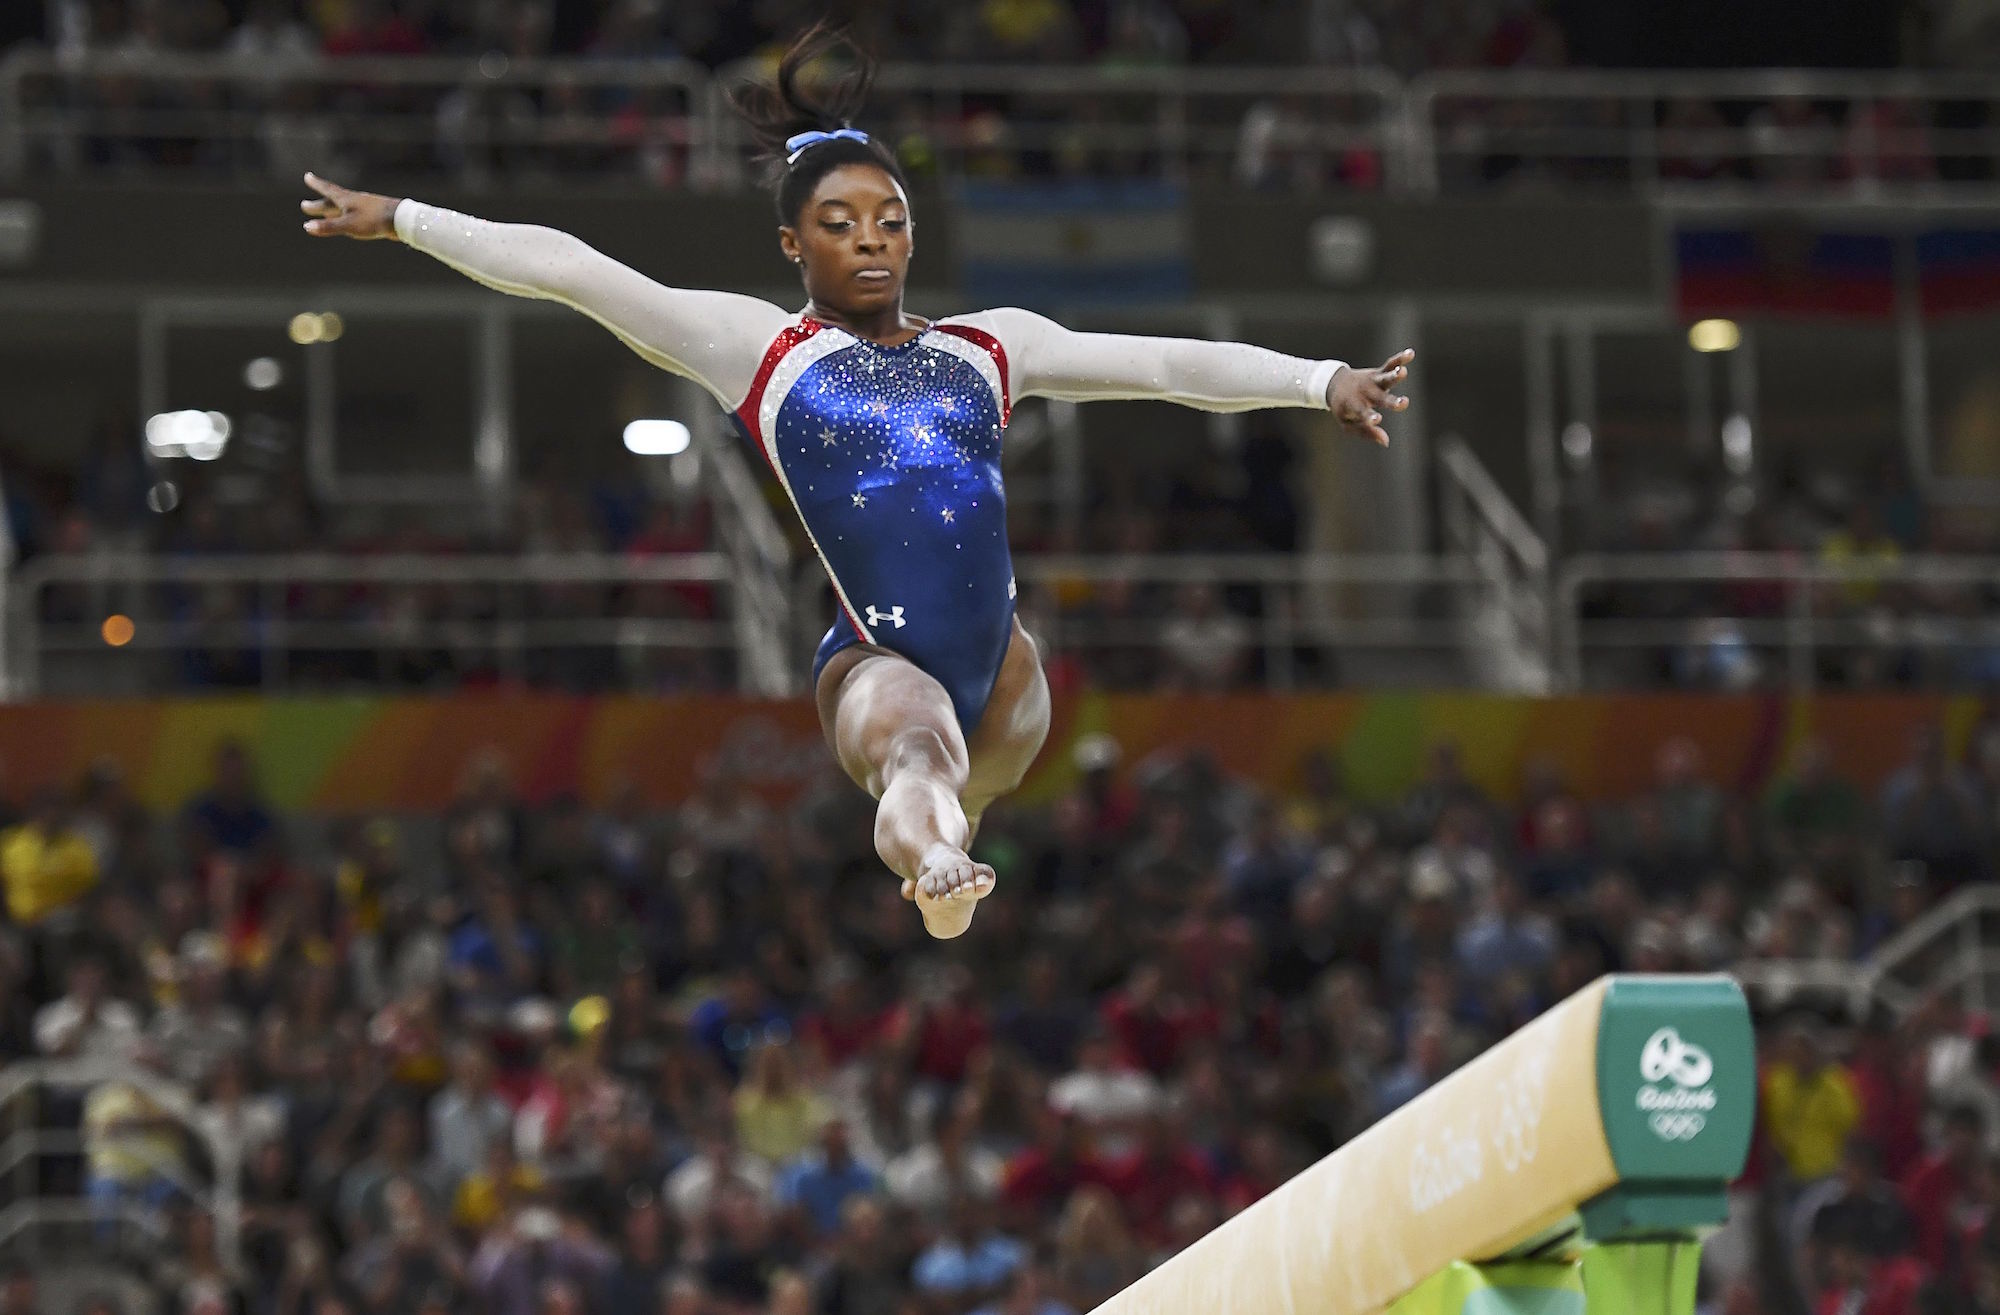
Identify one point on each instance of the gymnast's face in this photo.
(852, 241)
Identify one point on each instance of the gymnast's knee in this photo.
(924, 750)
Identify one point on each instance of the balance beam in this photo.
(1622, 1113)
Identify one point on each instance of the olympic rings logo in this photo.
(1677, 1127)
(1667, 1056)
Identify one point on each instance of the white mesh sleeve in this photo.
(1044, 359)
(713, 338)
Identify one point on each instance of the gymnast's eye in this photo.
(836, 225)
(895, 225)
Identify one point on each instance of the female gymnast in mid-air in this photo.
(885, 431)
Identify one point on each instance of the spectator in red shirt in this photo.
(1864, 1284)
(1060, 1160)
(1161, 1169)
(1153, 1025)
(848, 1025)
(1889, 1078)
(1938, 1191)
(941, 1028)
(372, 28)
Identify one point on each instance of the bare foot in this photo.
(948, 886)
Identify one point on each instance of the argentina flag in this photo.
(1047, 245)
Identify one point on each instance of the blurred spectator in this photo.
(229, 816)
(1807, 1102)
(691, 1189)
(466, 1117)
(1096, 1257)
(1206, 648)
(201, 1028)
(972, 1260)
(1931, 815)
(950, 1166)
(1939, 1191)
(1429, 1060)
(1505, 937)
(48, 866)
(511, 1271)
(822, 1181)
(85, 1021)
(1858, 1205)
(868, 1270)
(132, 1142)
(777, 1116)
(1104, 1095)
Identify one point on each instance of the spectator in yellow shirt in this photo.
(1809, 1104)
(47, 867)
(492, 1192)
(777, 1116)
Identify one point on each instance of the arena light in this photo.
(1577, 442)
(1715, 335)
(201, 435)
(1738, 444)
(118, 630)
(308, 327)
(657, 438)
(263, 374)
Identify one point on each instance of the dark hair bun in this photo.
(789, 106)
(777, 112)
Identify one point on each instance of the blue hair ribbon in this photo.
(798, 145)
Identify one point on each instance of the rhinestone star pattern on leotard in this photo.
(892, 457)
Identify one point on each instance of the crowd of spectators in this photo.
(572, 127)
(590, 1057)
(1873, 627)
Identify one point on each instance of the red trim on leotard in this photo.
(991, 345)
(746, 412)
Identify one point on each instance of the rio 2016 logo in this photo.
(1677, 1095)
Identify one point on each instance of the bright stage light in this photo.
(657, 438)
(1714, 335)
(202, 435)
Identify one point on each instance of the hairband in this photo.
(805, 141)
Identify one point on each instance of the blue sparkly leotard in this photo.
(891, 455)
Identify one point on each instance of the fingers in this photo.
(1401, 358)
(331, 191)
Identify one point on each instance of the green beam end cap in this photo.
(1676, 1079)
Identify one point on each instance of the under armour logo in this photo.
(893, 615)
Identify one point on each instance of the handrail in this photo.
(508, 634)
(1511, 633)
(224, 1200)
(1193, 110)
(1278, 579)
(1873, 979)
(1802, 630)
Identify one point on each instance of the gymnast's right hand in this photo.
(342, 213)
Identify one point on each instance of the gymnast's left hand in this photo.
(1359, 398)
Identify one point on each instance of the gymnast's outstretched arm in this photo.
(1044, 359)
(714, 338)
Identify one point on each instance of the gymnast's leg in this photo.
(893, 729)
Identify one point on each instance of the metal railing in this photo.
(666, 123)
(1682, 603)
(649, 120)
(1509, 638)
(495, 613)
(31, 1208)
(1950, 948)
(1286, 613)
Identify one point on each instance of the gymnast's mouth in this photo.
(873, 276)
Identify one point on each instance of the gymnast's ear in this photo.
(788, 242)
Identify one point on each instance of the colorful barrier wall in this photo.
(367, 753)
